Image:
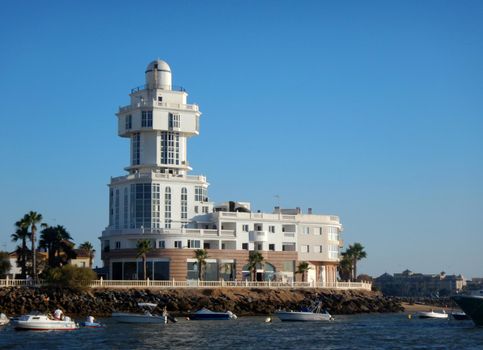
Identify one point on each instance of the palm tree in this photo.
(57, 241)
(143, 247)
(355, 252)
(345, 267)
(255, 259)
(31, 219)
(88, 248)
(23, 252)
(302, 268)
(201, 255)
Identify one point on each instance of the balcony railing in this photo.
(101, 283)
(159, 86)
(191, 107)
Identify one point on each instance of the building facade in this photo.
(160, 201)
(410, 284)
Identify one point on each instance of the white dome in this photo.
(159, 65)
(158, 75)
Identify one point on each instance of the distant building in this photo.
(476, 283)
(410, 284)
(82, 259)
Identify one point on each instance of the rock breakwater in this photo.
(243, 302)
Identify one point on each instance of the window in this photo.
(136, 148)
(205, 210)
(161, 244)
(184, 203)
(111, 207)
(193, 243)
(173, 120)
(318, 231)
(178, 244)
(288, 247)
(259, 246)
(271, 247)
(106, 245)
(128, 122)
(245, 246)
(116, 210)
(200, 194)
(156, 205)
(317, 249)
(126, 208)
(160, 98)
(146, 119)
(306, 230)
(118, 245)
(271, 229)
(141, 205)
(169, 147)
(304, 248)
(245, 228)
(196, 209)
(167, 208)
(333, 250)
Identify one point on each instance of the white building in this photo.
(158, 200)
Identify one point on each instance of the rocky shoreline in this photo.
(243, 302)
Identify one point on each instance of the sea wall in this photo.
(243, 302)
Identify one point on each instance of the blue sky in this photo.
(369, 110)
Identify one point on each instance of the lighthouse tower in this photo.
(157, 194)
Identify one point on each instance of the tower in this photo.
(157, 194)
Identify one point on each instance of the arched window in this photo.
(184, 204)
(167, 207)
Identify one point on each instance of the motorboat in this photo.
(90, 322)
(205, 314)
(460, 316)
(3, 319)
(87, 324)
(432, 314)
(39, 322)
(315, 313)
(145, 316)
(472, 305)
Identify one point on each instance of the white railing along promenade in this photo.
(101, 283)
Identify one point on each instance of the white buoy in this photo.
(268, 319)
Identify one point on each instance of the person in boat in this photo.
(90, 319)
(58, 314)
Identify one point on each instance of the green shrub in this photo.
(69, 276)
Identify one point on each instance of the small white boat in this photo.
(432, 314)
(4, 319)
(314, 314)
(144, 317)
(44, 323)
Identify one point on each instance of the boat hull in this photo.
(472, 306)
(431, 314)
(214, 316)
(138, 318)
(45, 326)
(287, 316)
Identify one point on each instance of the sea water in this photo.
(368, 331)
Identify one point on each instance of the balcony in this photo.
(150, 104)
